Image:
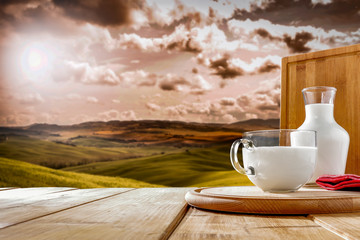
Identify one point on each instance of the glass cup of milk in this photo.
(281, 160)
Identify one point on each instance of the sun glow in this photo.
(36, 59)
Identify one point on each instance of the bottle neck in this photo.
(319, 112)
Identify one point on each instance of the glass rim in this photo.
(278, 130)
(319, 88)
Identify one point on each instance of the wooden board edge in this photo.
(330, 227)
(121, 191)
(255, 205)
(198, 193)
(284, 94)
(176, 221)
(324, 53)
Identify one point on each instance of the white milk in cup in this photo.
(280, 160)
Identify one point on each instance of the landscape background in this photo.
(122, 93)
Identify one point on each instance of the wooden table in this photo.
(149, 213)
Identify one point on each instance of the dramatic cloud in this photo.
(196, 13)
(173, 83)
(177, 59)
(103, 75)
(152, 106)
(227, 67)
(263, 102)
(224, 69)
(218, 110)
(199, 85)
(265, 34)
(35, 18)
(298, 43)
(133, 40)
(257, 65)
(268, 66)
(226, 101)
(177, 112)
(102, 12)
(198, 39)
(181, 12)
(335, 14)
(211, 39)
(297, 39)
(116, 115)
(138, 78)
(195, 84)
(84, 73)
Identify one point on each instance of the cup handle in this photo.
(249, 145)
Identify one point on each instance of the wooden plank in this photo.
(199, 224)
(338, 68)
(344, 224)
(21, 205)
(16, 196)
(137, 214)
(20, 194)
(284, 93)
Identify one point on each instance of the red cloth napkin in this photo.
(337, 182)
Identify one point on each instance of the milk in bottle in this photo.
(332, 139)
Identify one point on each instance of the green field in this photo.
(195, 167)
(121, 154)
(21, 174)
(87, 150)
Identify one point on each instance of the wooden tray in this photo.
(253, 200)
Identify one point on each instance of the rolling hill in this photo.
(168, 153)
(58, 155)
(20, 174)
(196, 167)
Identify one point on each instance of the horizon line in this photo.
(140, 120)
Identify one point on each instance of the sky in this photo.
(211, 61)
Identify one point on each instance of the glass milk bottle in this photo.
(332, 139)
